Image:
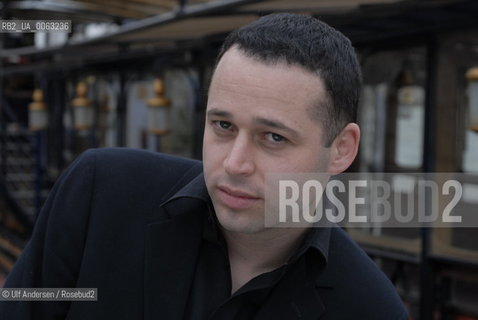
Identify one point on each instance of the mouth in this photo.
(236, 199)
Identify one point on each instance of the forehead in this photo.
(241, 77)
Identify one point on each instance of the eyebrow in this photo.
(219, 113)
(257, 121)
(276, 125)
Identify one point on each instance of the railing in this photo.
(23, 169)
(22, 184)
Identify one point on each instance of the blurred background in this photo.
(134, 73)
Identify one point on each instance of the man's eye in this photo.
(273, 137)
(222, 124)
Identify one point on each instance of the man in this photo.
(160, 240)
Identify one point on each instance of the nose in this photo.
(239, 160)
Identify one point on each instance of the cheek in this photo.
(305, 161)
(212, 153)
(319, 162)
(208, 151)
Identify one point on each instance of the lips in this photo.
(236, 199)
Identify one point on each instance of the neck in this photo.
(254, 254)
(268, 249)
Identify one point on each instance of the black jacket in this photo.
(117, 220)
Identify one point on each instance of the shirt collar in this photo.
(317, 238)
(196, 189)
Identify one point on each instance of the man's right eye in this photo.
(222, 124)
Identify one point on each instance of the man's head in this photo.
(268, 112)
(315, 46)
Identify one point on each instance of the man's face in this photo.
(257, 123)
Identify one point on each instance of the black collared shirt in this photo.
(210, 294)
(328, 277)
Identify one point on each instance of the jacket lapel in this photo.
(172, 247)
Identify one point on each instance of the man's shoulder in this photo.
(126, 163)
(356, 282)
(119, 157)
(129, 174)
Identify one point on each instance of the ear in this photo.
(344, 149)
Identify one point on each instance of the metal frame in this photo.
(426, 267)
(90, 10)
(184, 12)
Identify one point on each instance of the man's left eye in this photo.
(273, 137)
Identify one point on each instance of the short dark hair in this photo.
(315, 46)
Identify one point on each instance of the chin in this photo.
(239, 222)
